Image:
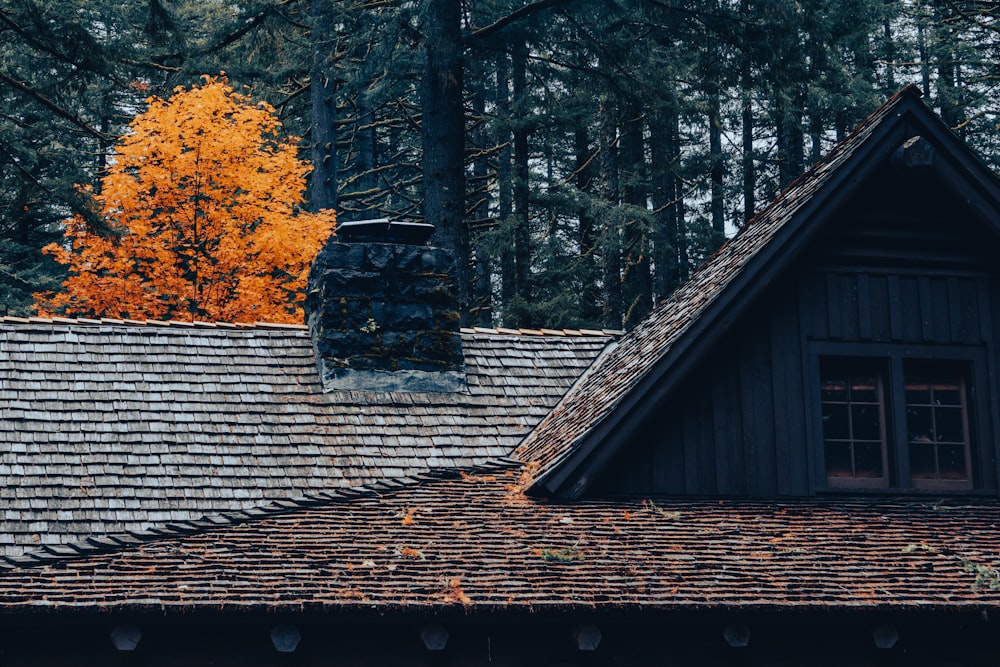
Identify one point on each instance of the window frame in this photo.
(940, 483)
(892, 359)
(850, 367)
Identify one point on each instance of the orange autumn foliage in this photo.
(203, 200)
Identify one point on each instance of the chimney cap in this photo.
(382, 230)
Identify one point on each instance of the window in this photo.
(896, 423)
(854, 424)
(937, 425)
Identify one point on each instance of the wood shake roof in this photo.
(473, 541)
(112, 427)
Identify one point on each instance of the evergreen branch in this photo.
(289, 20)
(237, 34)
(579, 170)
(513, 17)
(298, 92)
(972, 18)
(32, 39)
(28, 37)
(52, 106)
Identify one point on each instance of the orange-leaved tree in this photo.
(203, 201)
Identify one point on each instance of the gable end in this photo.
(736, 281)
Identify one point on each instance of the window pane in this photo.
(948, 394)
(952, 461)
(865, 422)
(922, 460)
(949, 425)
(864, 389)
(918, 392)
(919, 424)
(834, 390)
(936, 422)
(835, 423)
(853, 430)
(868, 459)
(838, 459)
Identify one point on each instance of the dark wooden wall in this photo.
(919, 278)
(802, 638)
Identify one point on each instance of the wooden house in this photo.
(790, 461)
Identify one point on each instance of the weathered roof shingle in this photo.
(476, 541)
(109, 427)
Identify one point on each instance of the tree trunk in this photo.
(668, 204)
(746, 118)
(790, 136)
(677, 186)
(522, 235)
(947, 80)
(637, 281)
(611, 250)
(889, 47)
(322, 91)
(716, 172)
(590, 309)
(366, 142)
(925, 66)
(713, 86)
(665, 230)
(443, 135)
(505, 190)
(481, 311)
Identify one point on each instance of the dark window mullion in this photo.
(885, 425)
(966, 398)
(932, 386)
(898, 444)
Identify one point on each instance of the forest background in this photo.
(580, 156)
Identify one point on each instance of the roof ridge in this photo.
(200, 324)
(93, 545)
(178, 324)
(504, 331)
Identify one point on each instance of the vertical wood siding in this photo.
(740, 424)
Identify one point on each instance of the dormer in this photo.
(843, 341)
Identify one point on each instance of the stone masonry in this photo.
(384, 316)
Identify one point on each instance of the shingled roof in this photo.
(589, 425)
(196, 468)
(474, 542)
(109, 427)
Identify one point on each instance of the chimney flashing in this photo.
(382, 230)
(349, 379)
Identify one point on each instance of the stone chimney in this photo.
(383, 310)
